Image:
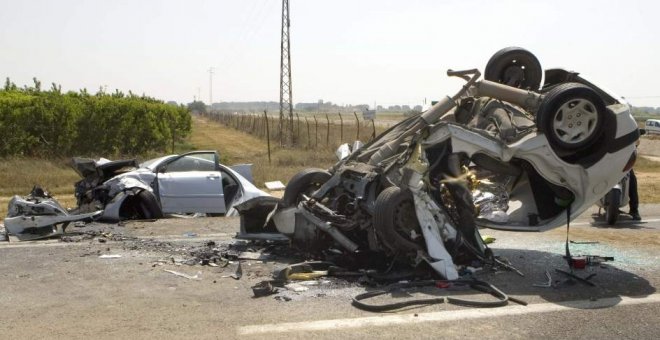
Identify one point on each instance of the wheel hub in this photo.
(575, 121)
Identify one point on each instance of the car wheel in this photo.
(149, 206)
(516, 67)
(613, 204)
(571, 116)
(304, 183)
(395, 220)
(141, 206)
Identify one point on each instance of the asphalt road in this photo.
(52, 289)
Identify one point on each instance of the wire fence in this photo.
(308, 131)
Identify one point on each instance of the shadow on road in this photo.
(609, 282)
(624, 221)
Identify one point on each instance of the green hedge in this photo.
(49, 123)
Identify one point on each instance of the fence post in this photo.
(297, 128)
(281, 130)
(267, 136)
(373, 126)
(327, 135)
(316, 132)
(341, 129)
(357, 121)
(308, 137)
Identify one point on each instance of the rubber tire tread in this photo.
(501, 59)
(148, 205)
(613, 204)
(301, 182)
(383, 219)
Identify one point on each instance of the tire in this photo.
(395, 220)
(141, 206)
(304, 182)
(613, 204)
(516, 67)
(571, 116)
(149, 206)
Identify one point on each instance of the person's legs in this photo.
(634, 197)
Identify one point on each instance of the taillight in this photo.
(631, 162)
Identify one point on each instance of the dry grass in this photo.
(18, 176)
(647, 164)
(648, 186)
(237, 147)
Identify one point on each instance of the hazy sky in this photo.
(357, 51)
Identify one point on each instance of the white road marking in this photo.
(453, 315)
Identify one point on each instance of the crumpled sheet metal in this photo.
(36, 218)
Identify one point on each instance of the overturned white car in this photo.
(507, 152)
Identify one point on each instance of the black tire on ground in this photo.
(571, 116)
(516, 67)
(612, 208)
(141, 206)
(149, 206)
(304, 182)
(395, 220)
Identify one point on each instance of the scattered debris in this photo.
(275, 185)
(197, 276)
(263, 288)
(295, 287)
(488, 239)
(584, 280)
(584, 242)
(502, 299)
(38, 215)
(238, 273)
(306, 271)
(547, 284)
(249, 255)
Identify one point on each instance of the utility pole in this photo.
(211, 69)
(286, 102)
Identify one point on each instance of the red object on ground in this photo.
(579, 262)
(442, 284)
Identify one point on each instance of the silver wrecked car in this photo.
(194, 182)
(507, 152)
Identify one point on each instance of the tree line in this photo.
(38, 123)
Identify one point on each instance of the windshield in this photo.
(153, 163)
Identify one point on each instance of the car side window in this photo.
(194, 162)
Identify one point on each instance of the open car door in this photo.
(191, 183)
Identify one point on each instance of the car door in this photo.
(191, 183)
